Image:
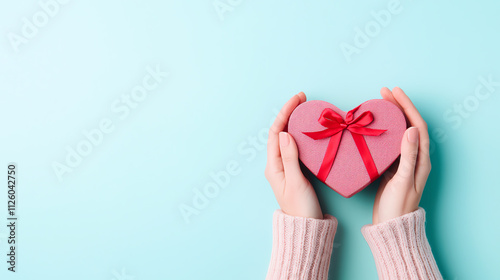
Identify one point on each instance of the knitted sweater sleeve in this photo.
(401, 249)
(302, 247)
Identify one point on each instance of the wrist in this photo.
(312, 213)
(384, 216)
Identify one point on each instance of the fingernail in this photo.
(413, 135)
(284, 140)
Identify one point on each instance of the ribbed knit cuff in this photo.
(400, 248)
(302, 247)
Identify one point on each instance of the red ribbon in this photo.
(335, 126)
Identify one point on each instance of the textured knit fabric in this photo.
(302, 247)
(400, 248)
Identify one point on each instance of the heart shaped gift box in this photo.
(347, 150)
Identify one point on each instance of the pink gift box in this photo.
(373, 129)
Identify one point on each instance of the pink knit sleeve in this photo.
(302, 247)
(400, 248)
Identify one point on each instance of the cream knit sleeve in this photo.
(400, 248)
(302, 247)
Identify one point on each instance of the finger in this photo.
(423, 164)
(422, 172)
(290, 157)
(409, 109)
(387, 95)
(273, 153)
(409, 153)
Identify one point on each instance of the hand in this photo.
(292, 190)
(402, 185)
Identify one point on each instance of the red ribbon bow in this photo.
(335, 125)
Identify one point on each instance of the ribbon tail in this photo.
(366, 131)
(366, 156)
(331, 153)
(323, 133)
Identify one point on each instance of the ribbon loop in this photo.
(335, 125)
(330, 118)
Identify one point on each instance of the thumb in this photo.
(409, 154)
(289, 156)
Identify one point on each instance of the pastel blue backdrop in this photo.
(70, 67)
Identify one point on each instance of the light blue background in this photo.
(117, 214)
